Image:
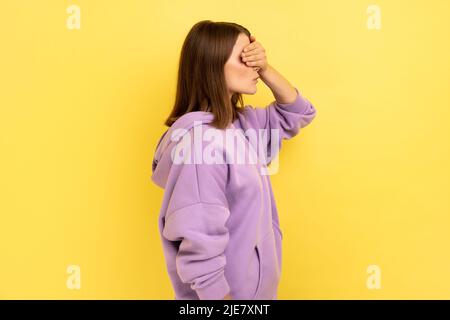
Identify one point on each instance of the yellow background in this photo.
(367, 183)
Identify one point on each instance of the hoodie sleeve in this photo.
(286, 118)
(197, 217)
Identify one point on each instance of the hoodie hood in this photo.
(162, 161)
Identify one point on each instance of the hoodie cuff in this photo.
(215, 291)
(300, 105)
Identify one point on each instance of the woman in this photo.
(218, 221)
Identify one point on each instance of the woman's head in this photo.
(211, 74)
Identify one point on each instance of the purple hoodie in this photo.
(218, 221)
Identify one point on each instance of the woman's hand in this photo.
(227, 297)
(254, 55)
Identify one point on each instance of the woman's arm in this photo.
(282, 90)
(290, 112)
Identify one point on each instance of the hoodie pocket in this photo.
(258, 258)
(269, 271)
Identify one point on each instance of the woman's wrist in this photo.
(227, 297)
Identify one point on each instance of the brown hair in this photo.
(201, 78)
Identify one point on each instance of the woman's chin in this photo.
(252, 89)
(249, 90)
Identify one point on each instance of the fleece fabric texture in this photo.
(218, 222)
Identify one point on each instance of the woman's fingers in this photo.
(254, 57)
(258, 53)
(253, 52)
(251, 46)
(254, 63)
